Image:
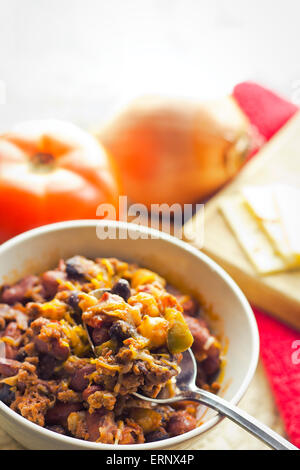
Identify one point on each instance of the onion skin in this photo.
(176, 151)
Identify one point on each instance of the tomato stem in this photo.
(43, 162)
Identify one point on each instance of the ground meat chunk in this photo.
(101, 399)
(68, 396)
(49, 338)
(159, 374)
(129, 383)
(132, 433)
(33, 405)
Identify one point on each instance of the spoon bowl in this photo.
(187, 390)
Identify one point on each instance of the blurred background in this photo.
(82, 59)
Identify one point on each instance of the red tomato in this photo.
(51, 171)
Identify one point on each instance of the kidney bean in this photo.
(11, 352)
(54, 348)
(19, 291)
(9, 367)
(60, 351)
(93, 422)
(79, 381)
(49, 281)
(12, 331)
(60, 412)
(199, 331)
(211, 365)
(100, 335)
(90, 390)
(181, 422)
(201, 334)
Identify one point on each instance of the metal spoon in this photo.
(187, 390)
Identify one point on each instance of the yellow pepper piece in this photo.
(148, 419)
(155, 329)
(145, 276)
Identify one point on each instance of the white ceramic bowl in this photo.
(184, 266)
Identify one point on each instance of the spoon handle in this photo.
(240, 417)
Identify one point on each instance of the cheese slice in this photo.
(287, 201)
(250, 236)
(262, 203)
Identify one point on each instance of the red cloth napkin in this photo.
(279, 343)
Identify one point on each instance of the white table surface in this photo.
(82, 59)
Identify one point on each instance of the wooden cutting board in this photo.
(278, 161)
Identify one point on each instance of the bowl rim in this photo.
(211, 264)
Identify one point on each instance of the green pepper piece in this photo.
(179, 337)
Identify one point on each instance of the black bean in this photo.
(6, 394)
(21, 355)
(75, 267)
(73, 301)
(122, 288)
(121, 330)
